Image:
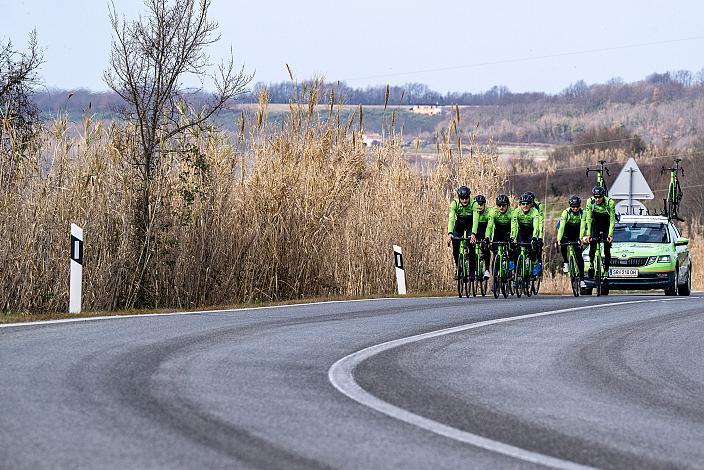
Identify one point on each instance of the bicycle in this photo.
(600, 281)
(479, 281)
(535, 283)
(573, 267)
(674, 191)
(501, 282)
(463, 267)
(600, 174)
(524, 271)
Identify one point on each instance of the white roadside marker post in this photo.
(74, 302)
(400, 273)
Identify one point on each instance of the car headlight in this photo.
(664, 259)
(651, 259)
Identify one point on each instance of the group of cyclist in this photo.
(524, 226)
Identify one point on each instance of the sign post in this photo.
(75, 287)
(400, 273)
(631, 185)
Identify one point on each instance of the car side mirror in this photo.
(681, 241)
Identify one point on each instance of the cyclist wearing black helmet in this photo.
(599, 220)
(569, 232)
(498, 228)
(479, 224)
(459, 221)
(525, 227)
(537, 269)
(541, 210)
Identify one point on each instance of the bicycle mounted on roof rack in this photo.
(600, 174)
(674, 192)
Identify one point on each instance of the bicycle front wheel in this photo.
(527, 278)
(519, 275)
(496, 280)
(598, 279)
(574, 277)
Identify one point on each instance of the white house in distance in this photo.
(426, 109)
(371, 138)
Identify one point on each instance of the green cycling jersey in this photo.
(527, 220)
(605, 212)
(457, 210)
(498, 220)
(481, 218)
(574, 220)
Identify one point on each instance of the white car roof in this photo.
(646, 219)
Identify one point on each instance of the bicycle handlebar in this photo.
(599, 170)
(675, 169)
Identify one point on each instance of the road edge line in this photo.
(198, 312)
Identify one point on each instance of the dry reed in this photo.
(300, 210)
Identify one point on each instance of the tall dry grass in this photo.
(299, 210)
(696, 247)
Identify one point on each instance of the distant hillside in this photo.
(663, 109)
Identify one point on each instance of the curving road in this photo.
(399, 383)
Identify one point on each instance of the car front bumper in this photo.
(642, 282)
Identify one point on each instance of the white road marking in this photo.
(341, 377)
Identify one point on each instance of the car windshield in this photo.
(641, 233)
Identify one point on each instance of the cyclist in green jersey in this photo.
(479, 224)
(525, 227)
(538, 268)
(569, 232)
(598, 221)
(459, 221)
(498, 228)
(541, 210)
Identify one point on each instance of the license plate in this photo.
(623, 272)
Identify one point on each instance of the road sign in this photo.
(630, 184)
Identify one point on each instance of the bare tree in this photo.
(150, 57)
(18, 115)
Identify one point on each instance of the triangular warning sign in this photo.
(630, 183)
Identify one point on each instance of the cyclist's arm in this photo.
(586, 222)
(452, 217)
(537, 225)
(514, 224)
(490, 224)
(563, 222)
(612, 216)
(475, 218)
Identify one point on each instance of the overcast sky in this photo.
(457, 45)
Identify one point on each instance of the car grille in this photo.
(629, 262)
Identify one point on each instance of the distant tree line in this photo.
(657, 87)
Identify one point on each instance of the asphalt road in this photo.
(315, 386)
